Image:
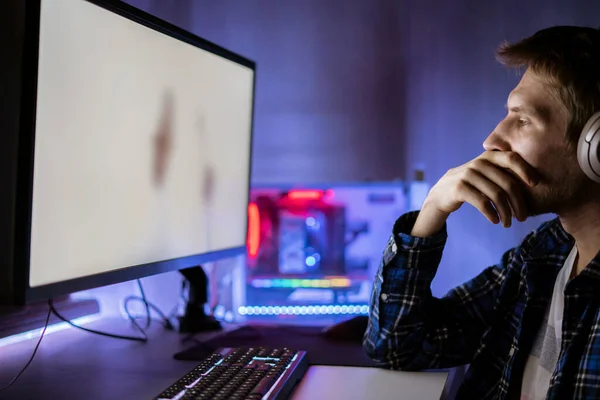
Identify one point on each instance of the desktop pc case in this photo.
(314, 250)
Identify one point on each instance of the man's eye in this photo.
(523, 122)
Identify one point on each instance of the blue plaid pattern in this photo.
(489, 322)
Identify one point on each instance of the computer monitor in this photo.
(135, 149)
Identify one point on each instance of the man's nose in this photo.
(496, 142)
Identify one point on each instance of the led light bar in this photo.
(356, 309)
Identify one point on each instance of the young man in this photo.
(530, 326)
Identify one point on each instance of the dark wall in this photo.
(330, 78)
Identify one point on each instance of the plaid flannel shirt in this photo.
(489, 322)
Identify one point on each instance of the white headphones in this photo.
(588, 148)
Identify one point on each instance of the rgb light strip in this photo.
(300, 283)
(305, 310)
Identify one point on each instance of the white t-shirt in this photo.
(546, 348)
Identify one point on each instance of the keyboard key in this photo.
(242, 374)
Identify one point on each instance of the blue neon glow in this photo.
(310, 221)
(35, 333)
(311, 261)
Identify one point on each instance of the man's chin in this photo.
(543, 202)
(554, 202)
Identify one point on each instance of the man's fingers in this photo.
(515, 163)
(478, 200)
(509, 184)
(493, 192)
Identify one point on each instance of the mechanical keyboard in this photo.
(242, 373)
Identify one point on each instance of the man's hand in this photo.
(492, 183)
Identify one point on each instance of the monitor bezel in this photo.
(22, 292)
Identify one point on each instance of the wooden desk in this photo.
(73, 364)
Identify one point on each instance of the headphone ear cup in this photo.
(594, 152)
(588, 148)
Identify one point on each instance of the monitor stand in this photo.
(195, 318)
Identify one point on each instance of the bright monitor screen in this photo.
(142, 146)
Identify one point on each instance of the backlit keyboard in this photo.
(244, 373)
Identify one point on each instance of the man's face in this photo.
(535, 128)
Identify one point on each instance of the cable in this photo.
(145, 301)
(149, 306)
(52, 310)
(34, 350)
(163, 318)
(144, 337)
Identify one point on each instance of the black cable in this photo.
(144, 337)
(34, 350)
(145, 301)
(52, 310)
(135, 323)
(163, 318)
(149, 306)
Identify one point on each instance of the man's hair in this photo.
(569, 57)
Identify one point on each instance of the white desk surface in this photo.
(355, 383)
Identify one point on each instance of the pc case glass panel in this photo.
(318, 248)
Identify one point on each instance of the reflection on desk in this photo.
(355, 383)
(73, 364)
